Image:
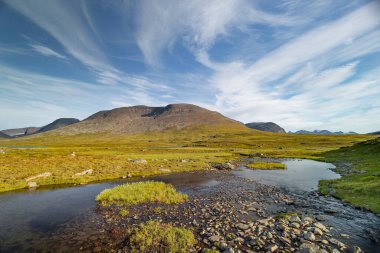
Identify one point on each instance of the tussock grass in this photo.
(141, 192)
(266, 166)
(154, 236)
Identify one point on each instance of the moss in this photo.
(141, 192)
(154, 236)
(285, 216)
(266, 166)
(124, 212)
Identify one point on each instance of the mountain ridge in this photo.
(266, 126)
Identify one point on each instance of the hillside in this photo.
(20, 131)
(59, 123)
(3, 135)
(266, 126)
(138, 119)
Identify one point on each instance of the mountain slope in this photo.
(378, 132)
(59, 123)
(3, 135)
(266, 126)
(137, 119)
(20, 131)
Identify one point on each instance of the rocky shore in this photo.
(235, 215)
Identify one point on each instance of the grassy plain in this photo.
(141, 192)
(110, 156)
(266, 166)
(360, 165)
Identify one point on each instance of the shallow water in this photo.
(28, 218)
(299, 175)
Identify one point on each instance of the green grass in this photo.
(154, 236)
(266, 166)
(110, 155)
(285, 216)
(361, 185)
(124, 212)
(141, 192)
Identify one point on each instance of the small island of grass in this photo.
(266, 166)
(141, 192)
(154, 236)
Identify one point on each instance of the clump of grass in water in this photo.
(141, 192)
(154, 236)
(266, 166)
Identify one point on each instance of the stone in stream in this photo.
(310, 248)
(242, 226)
(215, 238)
(224, 166)
(309, 236)
(321, 227)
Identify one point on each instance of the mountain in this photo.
(137, 119)
(20, 131)
(266, 126)
(378, 132)
(59, 123)
(3, 135)
(322, 132)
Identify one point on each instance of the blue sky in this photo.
(302, 64)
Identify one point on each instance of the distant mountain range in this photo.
(378, 132)
(322, 132)
(18, 132)
(266, 126)
(138, 119)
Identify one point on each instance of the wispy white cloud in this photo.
(196, 24)
(64, 21)
(259, 91)
(44, 50)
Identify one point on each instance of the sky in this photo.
(302, 64)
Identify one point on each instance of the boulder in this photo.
(139, 160)
(32, 185)
(224, 166)
(85, 172)
(42, 175)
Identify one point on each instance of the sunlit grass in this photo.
(361, 186)
(266, 166)
(141, 192)
(110, 155)
(154, 236)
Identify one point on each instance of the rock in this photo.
(310, 248)
(32, 185)
(321, 227)
(73, 154)
(294, 219)
(183, 161)
(215, 238)
(2, 151)
(85, 172)
(165, 170)
(318, 231)
(272, 248)
(337, 243)
(357, 250)
(242, 226)
(129, 175)
(224, 166)
(139, 160)
(309, 236)
(43, 175)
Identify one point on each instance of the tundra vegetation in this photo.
(111, 156)
(154, 236)
(266, 166)
(360, 167)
